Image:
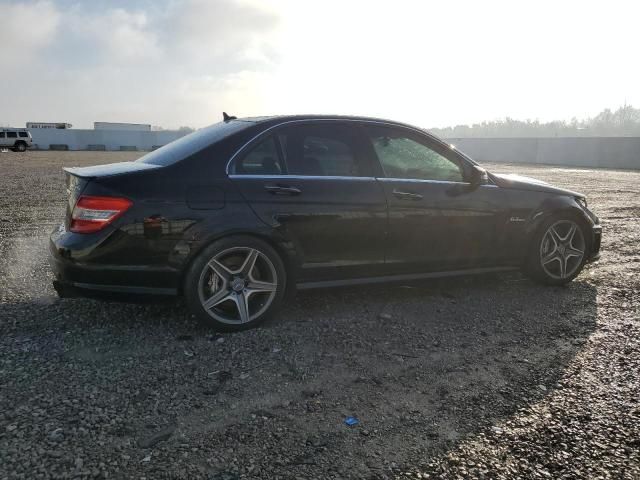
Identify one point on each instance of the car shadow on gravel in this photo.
(422, 366)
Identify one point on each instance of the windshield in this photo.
(192, 143)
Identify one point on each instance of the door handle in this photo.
(407, 195)
(282, 190)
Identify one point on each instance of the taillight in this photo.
(91, 214)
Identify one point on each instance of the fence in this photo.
(601, 152)
(102, 139)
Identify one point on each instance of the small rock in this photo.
(56, 436)
(161, 436)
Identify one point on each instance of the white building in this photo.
(131, 127)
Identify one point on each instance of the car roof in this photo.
(274, 119)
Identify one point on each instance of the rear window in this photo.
(23, 134)
(12, 135)
(193, 143)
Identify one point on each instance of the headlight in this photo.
(582, 201)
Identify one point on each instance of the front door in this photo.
(436, 219)
(311, 182)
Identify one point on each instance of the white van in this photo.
(17, 139)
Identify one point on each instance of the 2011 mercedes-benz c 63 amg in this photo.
(238, 213)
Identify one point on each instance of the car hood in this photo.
(519, 182)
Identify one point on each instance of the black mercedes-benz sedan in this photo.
(236, 214)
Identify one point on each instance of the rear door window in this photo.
(12, 135)
(321, 150)
(1, 134)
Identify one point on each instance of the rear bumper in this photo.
(73, 277)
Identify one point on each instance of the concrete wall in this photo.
(111, 139)
(602, 152)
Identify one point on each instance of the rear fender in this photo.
(198, 237)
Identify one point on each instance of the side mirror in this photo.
(478, 176)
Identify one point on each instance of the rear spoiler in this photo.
(110, 169)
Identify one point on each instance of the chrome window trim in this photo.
(298, 177)
(420, 180)
(313, 120)
(334, 177)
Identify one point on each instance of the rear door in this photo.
(436, 219)
(312, 182)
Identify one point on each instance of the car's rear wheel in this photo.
(20, 147)
(558, 252)
(235, 283)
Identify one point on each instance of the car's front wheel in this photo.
(558, 251)
(236, 283)
(20, 147)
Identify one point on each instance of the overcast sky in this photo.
(174, 63)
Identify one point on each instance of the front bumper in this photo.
(596, 239)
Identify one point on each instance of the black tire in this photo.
(534, 267)
(204, 283)
(20, 147)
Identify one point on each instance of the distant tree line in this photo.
(624, 122)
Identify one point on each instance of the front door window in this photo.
(402, 156)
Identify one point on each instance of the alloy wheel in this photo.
(562, 249)
(237, 285)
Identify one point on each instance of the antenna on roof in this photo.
(226, 117)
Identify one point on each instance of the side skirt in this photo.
(401, 278)
(126, 289)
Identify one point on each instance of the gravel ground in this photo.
(491, 377)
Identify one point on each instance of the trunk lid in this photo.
(77, 179)
(75, 185)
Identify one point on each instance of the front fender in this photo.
(554, 206)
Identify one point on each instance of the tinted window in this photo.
(263, 159)
(403, 155)
(12, 135)
(320, 150)
(1, 134)
(23, 134)
(193, 143)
